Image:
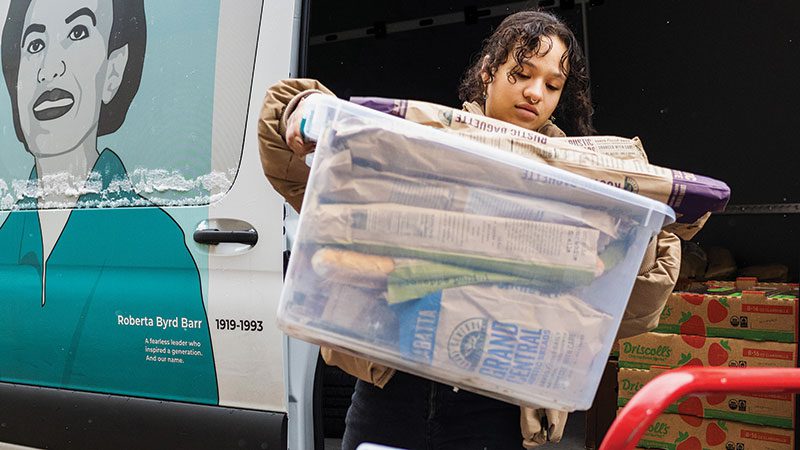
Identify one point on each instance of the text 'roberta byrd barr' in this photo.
(159, 322)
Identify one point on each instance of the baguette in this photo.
(354, 268)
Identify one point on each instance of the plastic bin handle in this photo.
(657, 395)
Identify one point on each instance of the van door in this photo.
(140, 246)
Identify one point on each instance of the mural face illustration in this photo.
(66, 73)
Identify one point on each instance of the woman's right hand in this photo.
(294, 137)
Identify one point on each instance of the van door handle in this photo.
(213, 236)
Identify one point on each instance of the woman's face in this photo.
(530, 99)
(62, 72)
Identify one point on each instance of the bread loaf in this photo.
(354, 268)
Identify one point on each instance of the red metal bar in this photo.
(657, 395)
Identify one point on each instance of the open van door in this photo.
(140, 245)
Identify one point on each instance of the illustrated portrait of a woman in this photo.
(79, 279)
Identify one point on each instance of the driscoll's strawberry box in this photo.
(679, 432)
(751, 283)
(672, 350)
(774, 409)
(752, 315)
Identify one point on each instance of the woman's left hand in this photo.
(294, 136)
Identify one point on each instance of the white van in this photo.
(141, 248)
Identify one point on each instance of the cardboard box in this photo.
(672, 350)
(749, 314)
(752, 283)
(776, 410)
(736, 287)
(678, 432)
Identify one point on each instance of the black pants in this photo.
(418, 414)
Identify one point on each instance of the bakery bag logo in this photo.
(631, 185)
(465, 345)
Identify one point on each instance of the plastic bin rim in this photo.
(311, 129)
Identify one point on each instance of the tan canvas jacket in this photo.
(288, 174)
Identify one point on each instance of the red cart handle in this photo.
(643, 409)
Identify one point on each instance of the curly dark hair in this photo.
(520, 35)
(129, 28)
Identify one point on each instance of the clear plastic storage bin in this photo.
(459, 262)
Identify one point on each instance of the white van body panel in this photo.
(252, 363)
(176, 134)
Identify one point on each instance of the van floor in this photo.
(574, 435)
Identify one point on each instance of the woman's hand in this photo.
(294, 138)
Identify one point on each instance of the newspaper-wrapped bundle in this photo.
(493, 332)
(615, 161)
(409, 168)
(546, 251)
(352, 184)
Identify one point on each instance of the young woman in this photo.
(530, 70)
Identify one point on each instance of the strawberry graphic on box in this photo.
(694, 299)
(717, 310)
(716, 433)
(718, 353)
(691, 411)
(715, 399)
(694, 341)
(684, 442)
(687, 360)
(692, 324)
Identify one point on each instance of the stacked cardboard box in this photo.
(679, 432)
(741, 324)
(745, 310)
